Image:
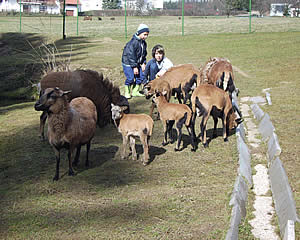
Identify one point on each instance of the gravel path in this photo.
(264, 212)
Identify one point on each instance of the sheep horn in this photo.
(239, 120)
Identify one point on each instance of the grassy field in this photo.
(180, 195)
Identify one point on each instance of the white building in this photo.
(30, 6)
(149, 4)
(90, 5)
(9, 6)
(277, 9)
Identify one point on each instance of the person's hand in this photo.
(143, 67)
(135, 71)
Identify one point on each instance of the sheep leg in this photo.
(192, 126)
(88, 147)
(179, 133)
(70, 153)
(170, 124)
(215, 126)
(190, 131)
(57, 157)
(203, 129)
(125, 141)
(225, 129)
(179, 125)
(132, 145)
(76, 159)
(144, 141)
(151, 109)
(43, 118)
(179, 97)
(165, 141)
(187, 96)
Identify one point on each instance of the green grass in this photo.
(180, 195)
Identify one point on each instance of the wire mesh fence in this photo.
(159, 25)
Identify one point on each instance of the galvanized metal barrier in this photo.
(282, 194)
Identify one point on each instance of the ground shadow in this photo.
(153, 152)
(27, 56)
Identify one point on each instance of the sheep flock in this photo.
(75, 102)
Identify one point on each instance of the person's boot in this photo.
(135, 91)
(127, 92)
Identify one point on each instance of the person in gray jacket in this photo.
(134, 61)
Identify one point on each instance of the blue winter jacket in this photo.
(135, 52)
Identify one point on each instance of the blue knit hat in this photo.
(142, 28)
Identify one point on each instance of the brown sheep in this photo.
(171, 113)
(130, 126)
(70, 125)
(90, 18)
(182, 79)
(84, 83)
(208, 100)
(219, 72)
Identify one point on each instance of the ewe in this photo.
(70, 125)
(85, 83)
(209, 100)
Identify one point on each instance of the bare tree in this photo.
(140, 6)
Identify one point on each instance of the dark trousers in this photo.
(131, 78)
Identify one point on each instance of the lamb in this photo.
(208, 100)
(155, 86)
(130, 126)
(84, 83)
(171, 113)
(70, 125)
(179, 80)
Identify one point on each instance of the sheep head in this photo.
(49, 97)
(147, 91)
(158, 96)
(233, 120)
(117, 111)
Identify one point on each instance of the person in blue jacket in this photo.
(134, 61)
(158, 65)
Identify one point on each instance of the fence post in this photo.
(20, 16)
(249, 16)
(182, 13)
(64, 20)
(125, 21)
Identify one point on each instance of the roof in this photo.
(73, 2)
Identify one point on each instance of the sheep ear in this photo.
(239, 120)
(112, 105)
(66, 92)
(164, 93)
